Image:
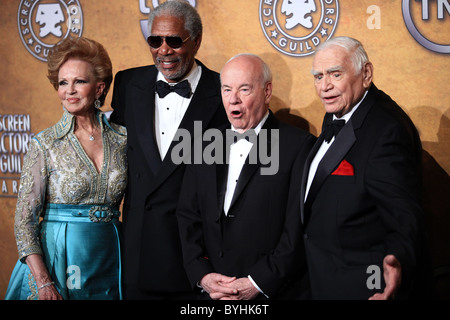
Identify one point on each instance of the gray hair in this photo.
(180, 9)
(358, 55)
(267, 73)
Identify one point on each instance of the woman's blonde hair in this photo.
(84, 49)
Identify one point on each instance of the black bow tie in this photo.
(163, 88)
(332, 128)
(249, 135)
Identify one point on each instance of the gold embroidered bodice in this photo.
(56, 169)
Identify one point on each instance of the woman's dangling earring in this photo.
(97, 104)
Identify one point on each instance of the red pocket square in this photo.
(344, 169)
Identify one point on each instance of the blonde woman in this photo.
(72, 183)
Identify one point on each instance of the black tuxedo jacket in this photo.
(261, 234)
(364, 201)
(152, 257)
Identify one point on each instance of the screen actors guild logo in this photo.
(300, 12)
(297, 27)
(49, 16)
(43, 23)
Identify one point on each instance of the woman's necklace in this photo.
(91, 136)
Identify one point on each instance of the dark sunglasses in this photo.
(174, 42)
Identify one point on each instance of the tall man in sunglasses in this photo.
(153, 102)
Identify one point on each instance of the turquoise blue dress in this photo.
(68, 212)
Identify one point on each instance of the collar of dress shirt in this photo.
(260, 124)
(347, 116)
(193, 77)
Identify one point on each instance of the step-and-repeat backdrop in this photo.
(408, 42)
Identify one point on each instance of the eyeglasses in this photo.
(174, 42)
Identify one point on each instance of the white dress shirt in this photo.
(170, 110)
(324, 148)
(238, 154)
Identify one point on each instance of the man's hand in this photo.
(392, 276)
(216, 285)
(245, 290)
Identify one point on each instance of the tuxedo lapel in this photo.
(250, 169)
(337, 151)
(308, 161)
(333, 157)
(202, 108)
(143, 100)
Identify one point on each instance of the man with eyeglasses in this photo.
(153, 102)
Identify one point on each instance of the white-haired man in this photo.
(361, 186)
